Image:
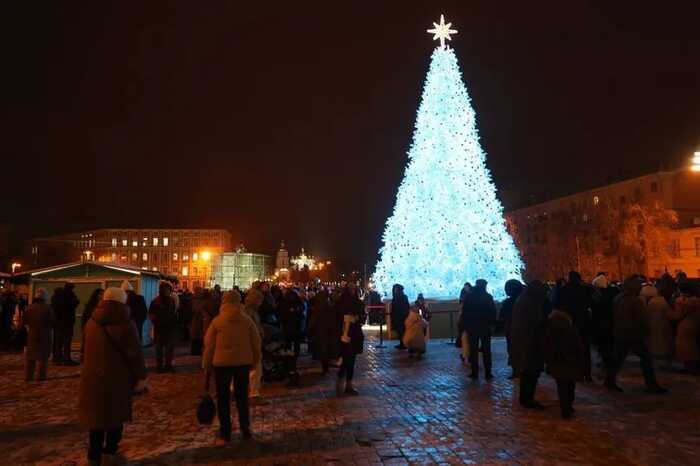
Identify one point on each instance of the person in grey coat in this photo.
(39, 320)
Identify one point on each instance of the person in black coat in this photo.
(527, 333)
(163, 315)
(478, 315)
(352, 338)
(323, 330)
(565, 358)
(137, 308)
(513, 289)
(575, 297)
(291, 317)
(399, 312)
(64, 303)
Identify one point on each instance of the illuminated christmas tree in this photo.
(447, 226)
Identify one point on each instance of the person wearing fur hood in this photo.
(414, 336)
(231, 349)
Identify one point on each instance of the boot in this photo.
(349, 390)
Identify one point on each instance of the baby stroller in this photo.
(278, 362)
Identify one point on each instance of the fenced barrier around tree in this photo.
(443, 323)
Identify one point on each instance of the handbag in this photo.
(206, 409)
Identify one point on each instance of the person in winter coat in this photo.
(575, 297)
(660, 342)
(113, 369)
(687, 311)
(602, 306)
(137, 308)
(399, 312)
(163, 316)
(291, 318)
(462, 337)
(513, 289)
(90, 306)
(38, 320)
(352, 338)
(64, 305)
(324, 332)
(197, 322)
(253, 300)
(528, 328)
(231, 349)
(565, 358)
(631, 330)
(478, 315)
(185, 312)
(414, 337)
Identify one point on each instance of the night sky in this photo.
(291, 120)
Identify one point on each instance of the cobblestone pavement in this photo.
(409, 412)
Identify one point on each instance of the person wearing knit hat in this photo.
(127, 286)
(231, 349)
(113, 369)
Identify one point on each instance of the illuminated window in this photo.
(145, 242)
(174, 256)
(194, 271)
(596, 200)
(165, 241)
(114, 257)
(135, 243)
(185, 257)
(155, 241)
(144, 256)
(155, 269)
(134, 256)
(114, 242)
(195, 256)
(185, 271)
(125, 242)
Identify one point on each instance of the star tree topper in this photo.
(442, 31)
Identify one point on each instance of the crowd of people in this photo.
(245, 337)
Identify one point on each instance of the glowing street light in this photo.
(206, 255)
(696, 162)
(15, 266)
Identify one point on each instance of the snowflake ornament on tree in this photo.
(447, 226)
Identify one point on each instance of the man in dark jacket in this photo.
(576, 299)
(64, 303)
(513, 289)
(631, 330)
(399, 312)
(478, 315)
(527, 333)
(137, 308)
(565, 358)
(163, 315)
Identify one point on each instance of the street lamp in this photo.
(15, 266)
(696, 162)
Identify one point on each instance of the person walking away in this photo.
(112, 371)
(478, 315)
(137, 308)
(462, 337)
(322, 328)
(528, 328)
(414, 338)
(399, 312)
(38, 320)
(631, 327)
(565, 358)
(687, 311)
(64, 306)
(602, 299)
(352, 339)
(197, 322)
(660, 342)
(513, 289)
(231, 348)
(90, 306)
(163, 316)
(575, 296)
(185, 313)
(253, 300)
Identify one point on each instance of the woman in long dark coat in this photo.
(39, 320)
(323, 330)
(565, 358)
(527, 336)
(352, 339)
(112, 370)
